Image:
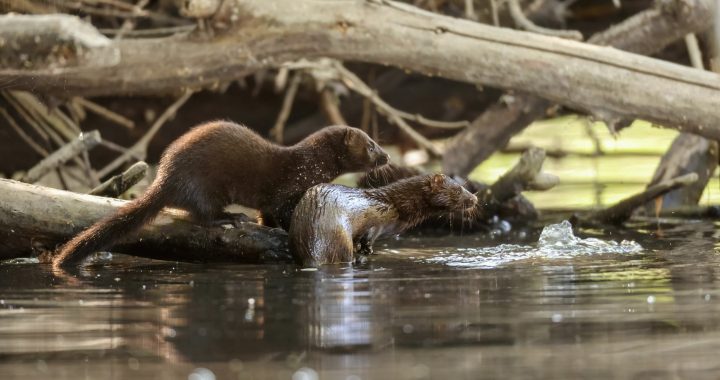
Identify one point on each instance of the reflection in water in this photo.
(343, 311)
(648, 314)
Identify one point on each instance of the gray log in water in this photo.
(36, 219)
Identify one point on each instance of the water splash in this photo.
(557, 241)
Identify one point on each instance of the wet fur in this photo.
(221, 163)
(330, 221)
(516, 210)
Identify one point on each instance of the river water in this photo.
(424, 307)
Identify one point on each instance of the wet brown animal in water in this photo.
(331, 222)
(516, 210)
(221, 163)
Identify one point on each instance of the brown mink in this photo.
(517, 209)
(220, 163)
(330, 221)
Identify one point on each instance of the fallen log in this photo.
(34, 220)
(646, 33)
(251, 35)
(622, 211)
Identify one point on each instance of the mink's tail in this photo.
(128, 219)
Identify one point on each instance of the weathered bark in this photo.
(118, 184)
(263, 34)
(527, 174)
(53, 41)
(36, 219)
(647, 32)
(687, 154)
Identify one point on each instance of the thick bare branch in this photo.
(645, 33)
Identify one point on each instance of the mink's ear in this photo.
(437, 181)
(350, 136)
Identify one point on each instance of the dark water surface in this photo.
(411, 313)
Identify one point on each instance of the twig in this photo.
(154, 32)
(278, 130)
(80, 144)
(118, 148)
(113, 3)
(494, 12)
(25, 114)
(24, 136)
(523, 22)
(420, 119)
(319, 69)
(61, 119)
(352, 81)
(120, 14)
(37, 116)
(329, 103)
(140, 148)
(120, 183)
(694, 51)
(51, 122)
(622, 210)
(470, 10)
(104, 112)
(366, 115)
(129, 24)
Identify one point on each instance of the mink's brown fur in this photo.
(331, 220)
(221, 163)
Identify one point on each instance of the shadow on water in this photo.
(650, 313)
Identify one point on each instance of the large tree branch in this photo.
(647, 32)
(602, 81)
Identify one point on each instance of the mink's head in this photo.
(356, 151)
(443, 194)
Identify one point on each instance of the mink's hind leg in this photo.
(209, 214)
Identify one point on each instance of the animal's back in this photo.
(220, 161)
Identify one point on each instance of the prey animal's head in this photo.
(446, 194)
